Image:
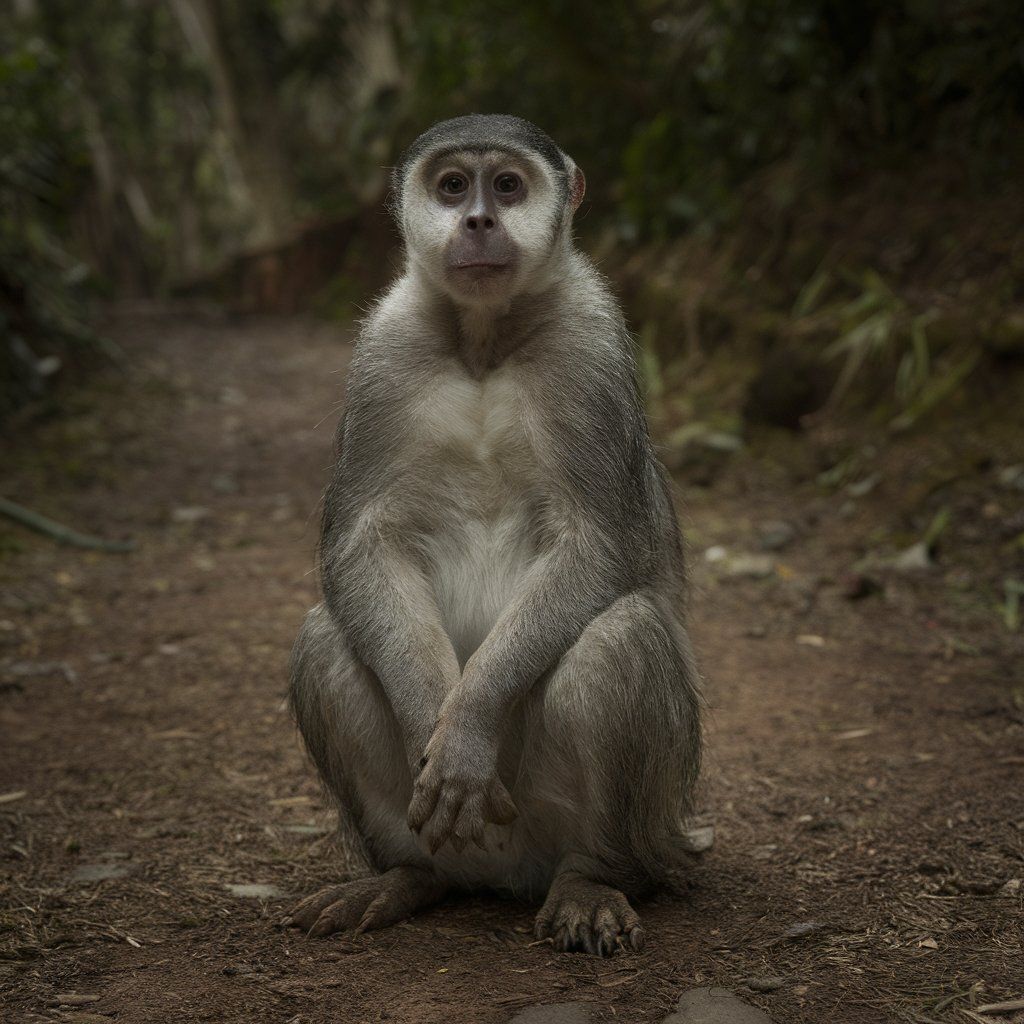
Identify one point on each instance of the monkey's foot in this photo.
(583, 915)
(367, 903)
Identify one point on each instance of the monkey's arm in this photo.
(373, 585)
(386, 608)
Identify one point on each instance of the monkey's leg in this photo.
(614, 734)
(354, 740)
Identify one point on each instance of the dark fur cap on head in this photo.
(478, 132)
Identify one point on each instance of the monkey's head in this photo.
(485, 203)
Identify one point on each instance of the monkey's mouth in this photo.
(482, 266)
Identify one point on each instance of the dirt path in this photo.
(865, 771)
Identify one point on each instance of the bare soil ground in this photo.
(865, 769)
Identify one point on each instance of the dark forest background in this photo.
(810, 207)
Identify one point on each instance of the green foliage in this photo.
(42, 301)
(672, 107)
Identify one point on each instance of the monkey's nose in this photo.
(473, 221)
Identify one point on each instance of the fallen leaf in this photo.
(176, 734)
(256, 891)
(810, 640)
(73, 999)
(769, 984)
(853, 734)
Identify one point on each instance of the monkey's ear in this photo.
(577, 184)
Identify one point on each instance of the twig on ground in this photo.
(1008, 1007)
(61, 534)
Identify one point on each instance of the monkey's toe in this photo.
(584, 916)
(366, 903)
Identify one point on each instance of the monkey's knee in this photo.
(630, 663)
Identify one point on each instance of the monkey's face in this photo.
(483, 224)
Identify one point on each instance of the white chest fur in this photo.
(479, 468)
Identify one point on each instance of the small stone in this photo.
(776, 535)
(553, 1013)
(1012, 477)
(699, 840)
(224, 484)
(99, 872)
(751, 567)
(189, 514)
(699, 452)
(1010, 889)
(714, 1006)
(798, 931)
(914, 559)
(861, 488)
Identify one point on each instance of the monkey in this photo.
(497, 688)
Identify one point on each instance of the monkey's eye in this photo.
(507, 184)
(453, 184)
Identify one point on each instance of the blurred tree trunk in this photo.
(118, 216)
(376, 89)
(247, 111)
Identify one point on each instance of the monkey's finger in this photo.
(424, 799)
(566, 937)
(606, 930)
(379, 912)
(476, 832)
(304, 914)
(469, 826)
(342, 916)
(445, 815)
(499, 807)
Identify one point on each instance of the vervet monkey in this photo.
(498, 688)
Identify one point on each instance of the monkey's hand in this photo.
(458, 788)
